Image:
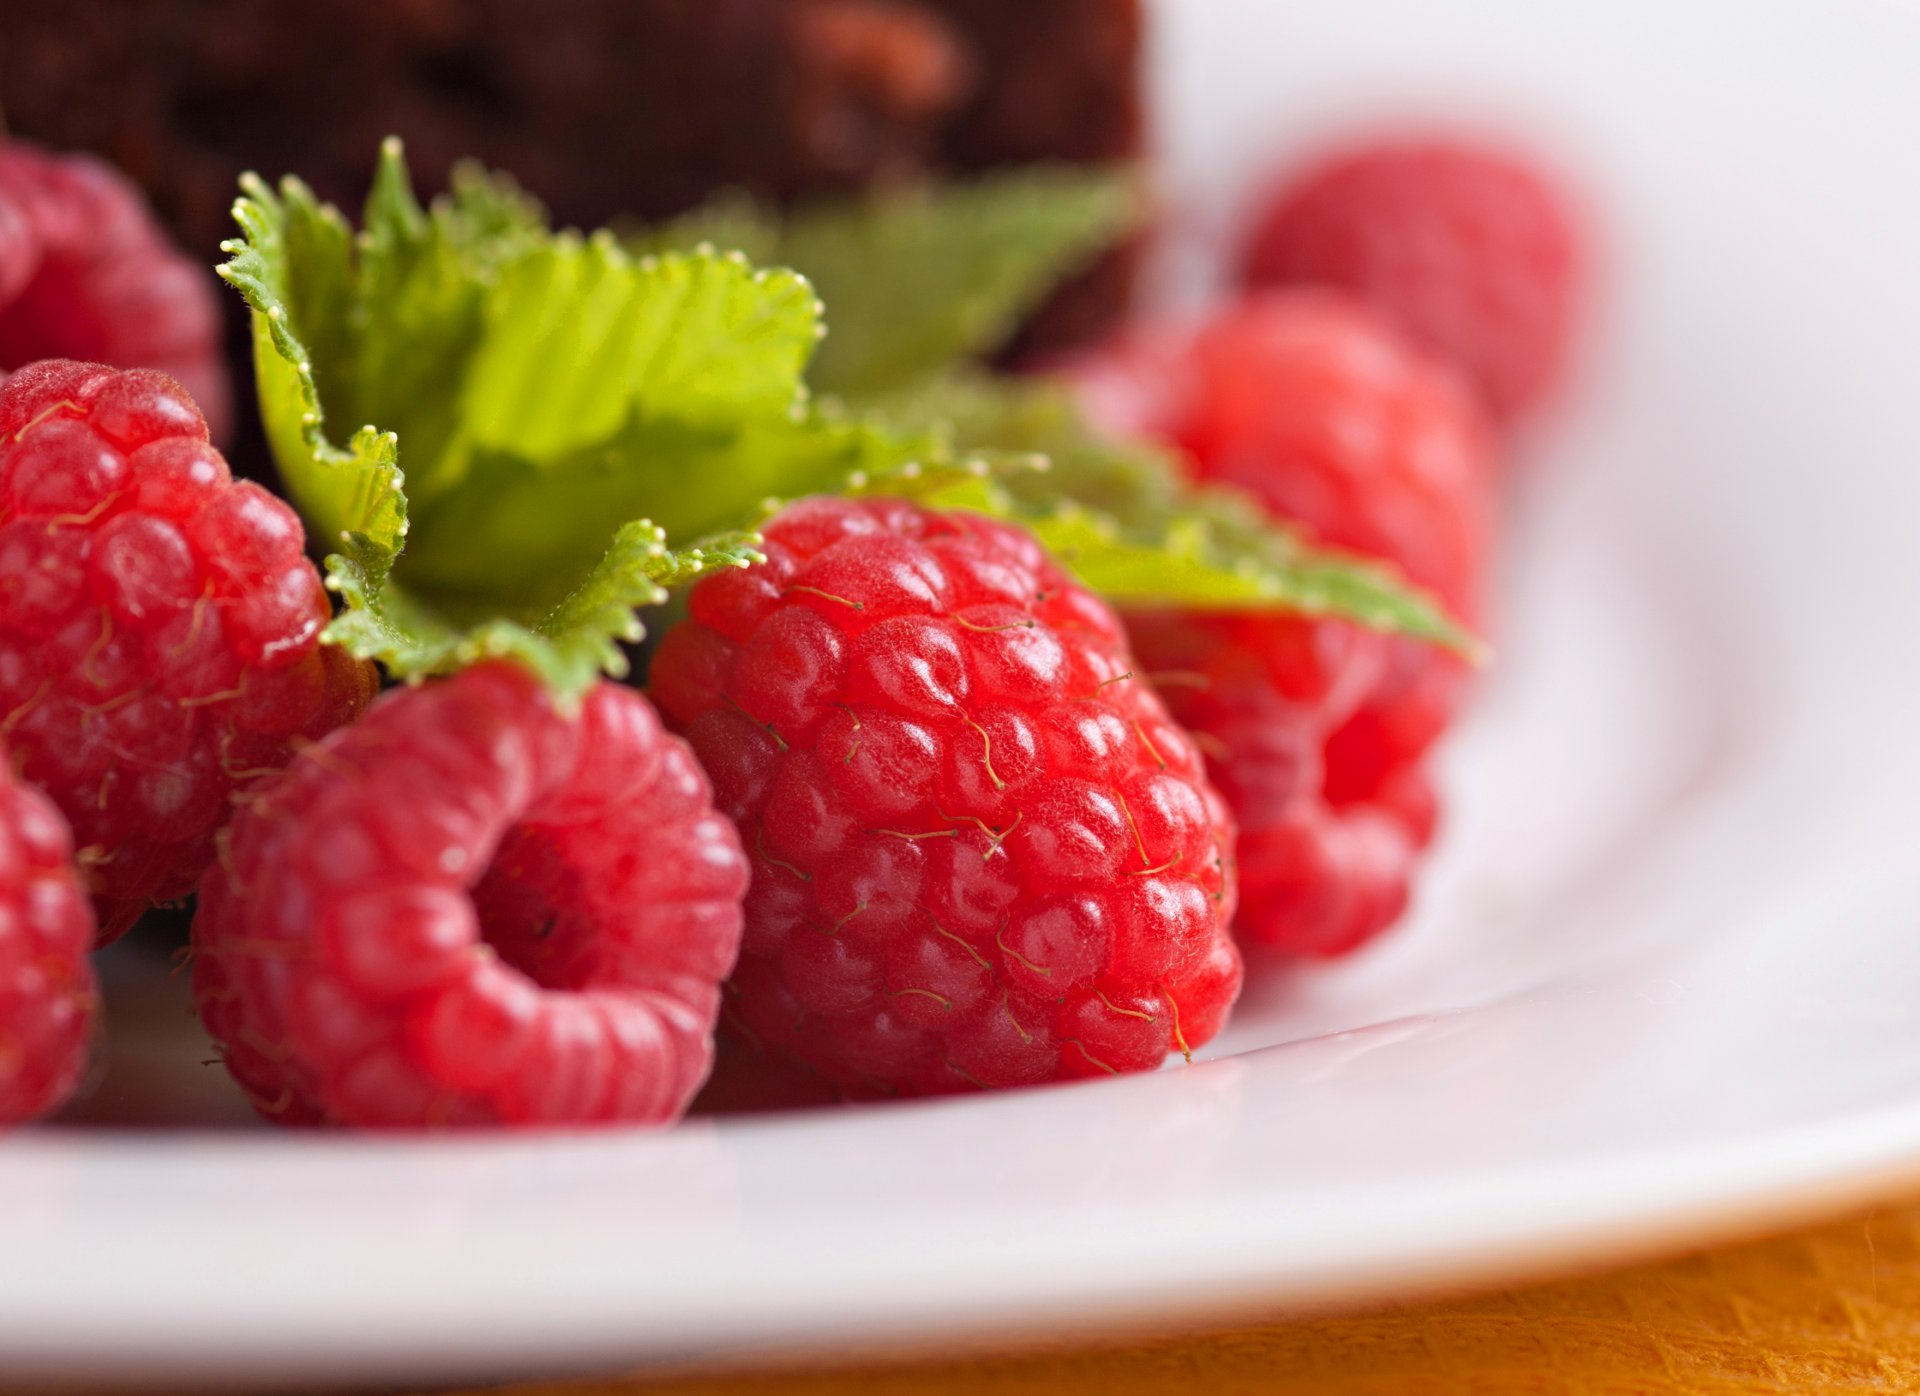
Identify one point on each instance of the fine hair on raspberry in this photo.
(473, 908)
(983, 855)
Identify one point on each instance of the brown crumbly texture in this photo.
(602, 107)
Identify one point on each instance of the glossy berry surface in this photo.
(86, 273)
(46, 931)
(1315, 731)
(1471, 251)
(983, 855)
(159, 626)
(470, 909)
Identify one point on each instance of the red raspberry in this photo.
(1316, 730)
(1322, 870)
(1320, 411)
(46, 929)
(1324, 415)
(1470, 250)
(467, 909)
(159, 625)
(86, 273)
(983, 855)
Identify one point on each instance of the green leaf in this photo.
(916, 279)
(1125, 521)
(507, 433)
(578, 340)
(547, 396)
(513, 526)
(569, 646)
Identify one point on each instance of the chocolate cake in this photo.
(603, 107)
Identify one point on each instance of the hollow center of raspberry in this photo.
(532, 912)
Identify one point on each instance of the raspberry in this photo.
(159, 625)
(1322, 869)
(1471, 251)
(46, 929)
(1315, 730)
(983, 855)
(468, 909)
(86, 273)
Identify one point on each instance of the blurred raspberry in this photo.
(1471, 250)
(86, 273)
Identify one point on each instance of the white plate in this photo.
(1663, 981)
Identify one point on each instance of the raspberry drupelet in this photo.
(1470, 250)
(159, 626)
(46, 931)
(86, 273)
(1316, 731)
(469, 908)
(983, 854)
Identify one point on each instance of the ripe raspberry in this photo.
(1315, 729)
(46, 929)
(1326, 417)
(468, 909)
(1317, 408)
(1322, 869)
(1471, 251)
(983, 856)
(86, 273)
(159, 625)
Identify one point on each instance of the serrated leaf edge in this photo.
(359, 573)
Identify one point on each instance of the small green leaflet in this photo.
(561, 408)
(569, 646)
(919, 278)
(1123, 519)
